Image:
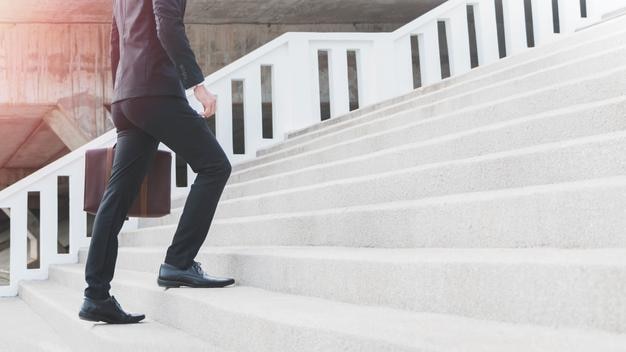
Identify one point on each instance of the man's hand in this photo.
(207, 100)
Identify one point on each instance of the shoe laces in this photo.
(197, 267)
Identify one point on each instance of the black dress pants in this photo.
(142, 123)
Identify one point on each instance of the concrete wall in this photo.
(58, 64)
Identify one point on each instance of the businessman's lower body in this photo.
(141, 124)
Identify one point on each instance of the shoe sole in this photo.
(98, 318)
(176, 284)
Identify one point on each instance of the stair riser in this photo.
(236, 332)
(555, 54)
(530, 102)
(584, 217)
(586, 159)
(574, 295)
(59, 322)
(480, 142)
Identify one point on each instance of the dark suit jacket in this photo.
(150, 52)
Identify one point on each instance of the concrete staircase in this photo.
(26, 331)
(483, 213)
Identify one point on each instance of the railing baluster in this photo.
(542, 21)
(339, 88)
(514, 26)
(382, 68)
(401, 67)
(486, 33)
(78, 219)
(19, 230)
(428, 39)
(282, 96)
(253, 108)
(223, 116)
(569, 15)
(458, 41)
(47, 223)
(302, 71)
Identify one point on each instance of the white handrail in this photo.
(384, 70)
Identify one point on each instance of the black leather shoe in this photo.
(194, 276)
(107, 310)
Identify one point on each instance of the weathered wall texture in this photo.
(58, 64)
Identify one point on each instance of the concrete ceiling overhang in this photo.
(27, 141)
(229, 11)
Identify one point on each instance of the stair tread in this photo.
(26, 331)
(436, 139)
(535, 256)
(426, 331)
(613, 181)
(536, 149)
(148, 335)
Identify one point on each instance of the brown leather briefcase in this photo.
(154, 196)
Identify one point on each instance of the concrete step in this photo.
(561, 288)
(532, 75)
(376, 153)
(250, 319)
(578, 159)
(600, 118)
(434, 140)
(584, 214)
(421, 123)
(21, 329)
(59, 305)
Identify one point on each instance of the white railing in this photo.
(384, 69)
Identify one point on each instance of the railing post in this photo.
(543, 24)
(224, 116)
(300, 70)
(338, 77)
(514, 26)
(253, 109)
(569, 15)
(281, 86)
(19, 230)
(458, 41)
(486, 31)
(366, 74)
(48, 223)
(78, 216)
(428, 41)
(402, 66)
(382, 68)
